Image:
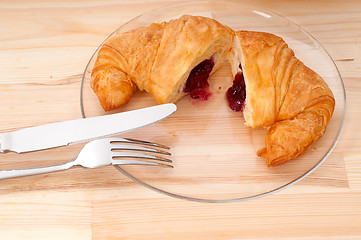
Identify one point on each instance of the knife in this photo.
(81, 130)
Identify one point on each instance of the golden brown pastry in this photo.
(160, 59)
(284, 95)
(271, 86)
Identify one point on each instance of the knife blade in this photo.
(81, 130)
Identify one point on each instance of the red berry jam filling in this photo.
(197, 82)
(236, 95)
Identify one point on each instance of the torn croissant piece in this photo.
(168, 60)
(282, 94)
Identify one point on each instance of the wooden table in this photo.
(44, 48)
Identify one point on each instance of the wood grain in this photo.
(44, 48)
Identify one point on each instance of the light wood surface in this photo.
(44, 49)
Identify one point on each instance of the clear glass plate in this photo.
(214, 153)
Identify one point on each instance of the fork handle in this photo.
(33, 171)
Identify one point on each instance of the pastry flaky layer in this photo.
(158, 59)
(284, 95)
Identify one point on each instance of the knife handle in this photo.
(33, 171)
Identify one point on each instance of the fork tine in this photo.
(130, 151)
(124, 155)
(125, 147)
(141, 142)
(137, 162)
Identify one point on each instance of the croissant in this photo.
(281, 93)
(171, 59)
(168, 60)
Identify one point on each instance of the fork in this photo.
(107, 151)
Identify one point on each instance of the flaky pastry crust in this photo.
(284, 95)
(158, 59)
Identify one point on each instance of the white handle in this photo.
(32, 171)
